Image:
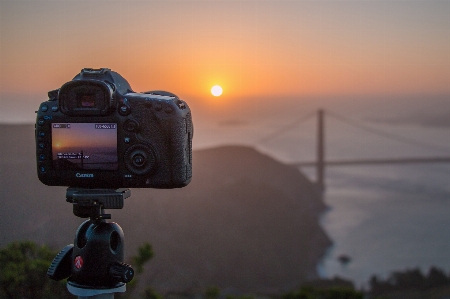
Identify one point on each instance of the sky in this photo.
(76, 136)
(265, 50)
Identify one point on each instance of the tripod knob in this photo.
(121, 271)
(60, 267)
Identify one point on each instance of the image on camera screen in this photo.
(84, 146)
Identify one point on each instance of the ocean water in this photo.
(387, 218)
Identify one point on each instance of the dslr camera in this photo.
(95, 132)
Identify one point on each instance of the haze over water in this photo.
(385, 64)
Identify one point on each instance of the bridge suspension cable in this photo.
(285, 128)
(388, 135)
(282, 130)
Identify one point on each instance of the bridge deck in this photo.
(376, 161)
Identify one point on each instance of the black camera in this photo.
(95, 132)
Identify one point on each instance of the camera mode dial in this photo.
(140, 159)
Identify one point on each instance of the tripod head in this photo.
(90, 203)
(94, 263)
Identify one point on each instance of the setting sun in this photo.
(216, 90)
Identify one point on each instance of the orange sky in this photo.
(76, 137)
(250, 48)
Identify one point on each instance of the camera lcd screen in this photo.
(84, 146)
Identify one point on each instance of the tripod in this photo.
(94, 263)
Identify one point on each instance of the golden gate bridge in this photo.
(321, 162)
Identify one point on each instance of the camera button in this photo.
(44, 108)
(42, 157)
(181, 105)
(131, 125)
(41, 145)
(124, 110)
(138, 160)
(41, 134)
(168, 109)
(127, 140)
(158, 106)
(43, 169)
(54, 108)
(41, 121)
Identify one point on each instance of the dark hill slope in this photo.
(246, 220)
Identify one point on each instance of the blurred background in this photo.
(380, 69)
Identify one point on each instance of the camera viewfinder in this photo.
(86, 101)
(85, 97)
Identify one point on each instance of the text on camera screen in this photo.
(84, 146)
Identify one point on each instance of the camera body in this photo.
(95, 132)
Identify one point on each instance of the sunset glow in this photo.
(271, 48)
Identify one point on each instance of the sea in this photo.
(386, 218)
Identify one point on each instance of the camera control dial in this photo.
(140, 159)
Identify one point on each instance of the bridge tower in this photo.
(320, 163)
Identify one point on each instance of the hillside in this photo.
(246, 221)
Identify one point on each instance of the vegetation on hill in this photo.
(24, 266)
(412, 283)
(23, 272)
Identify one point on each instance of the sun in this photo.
(216, 90)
